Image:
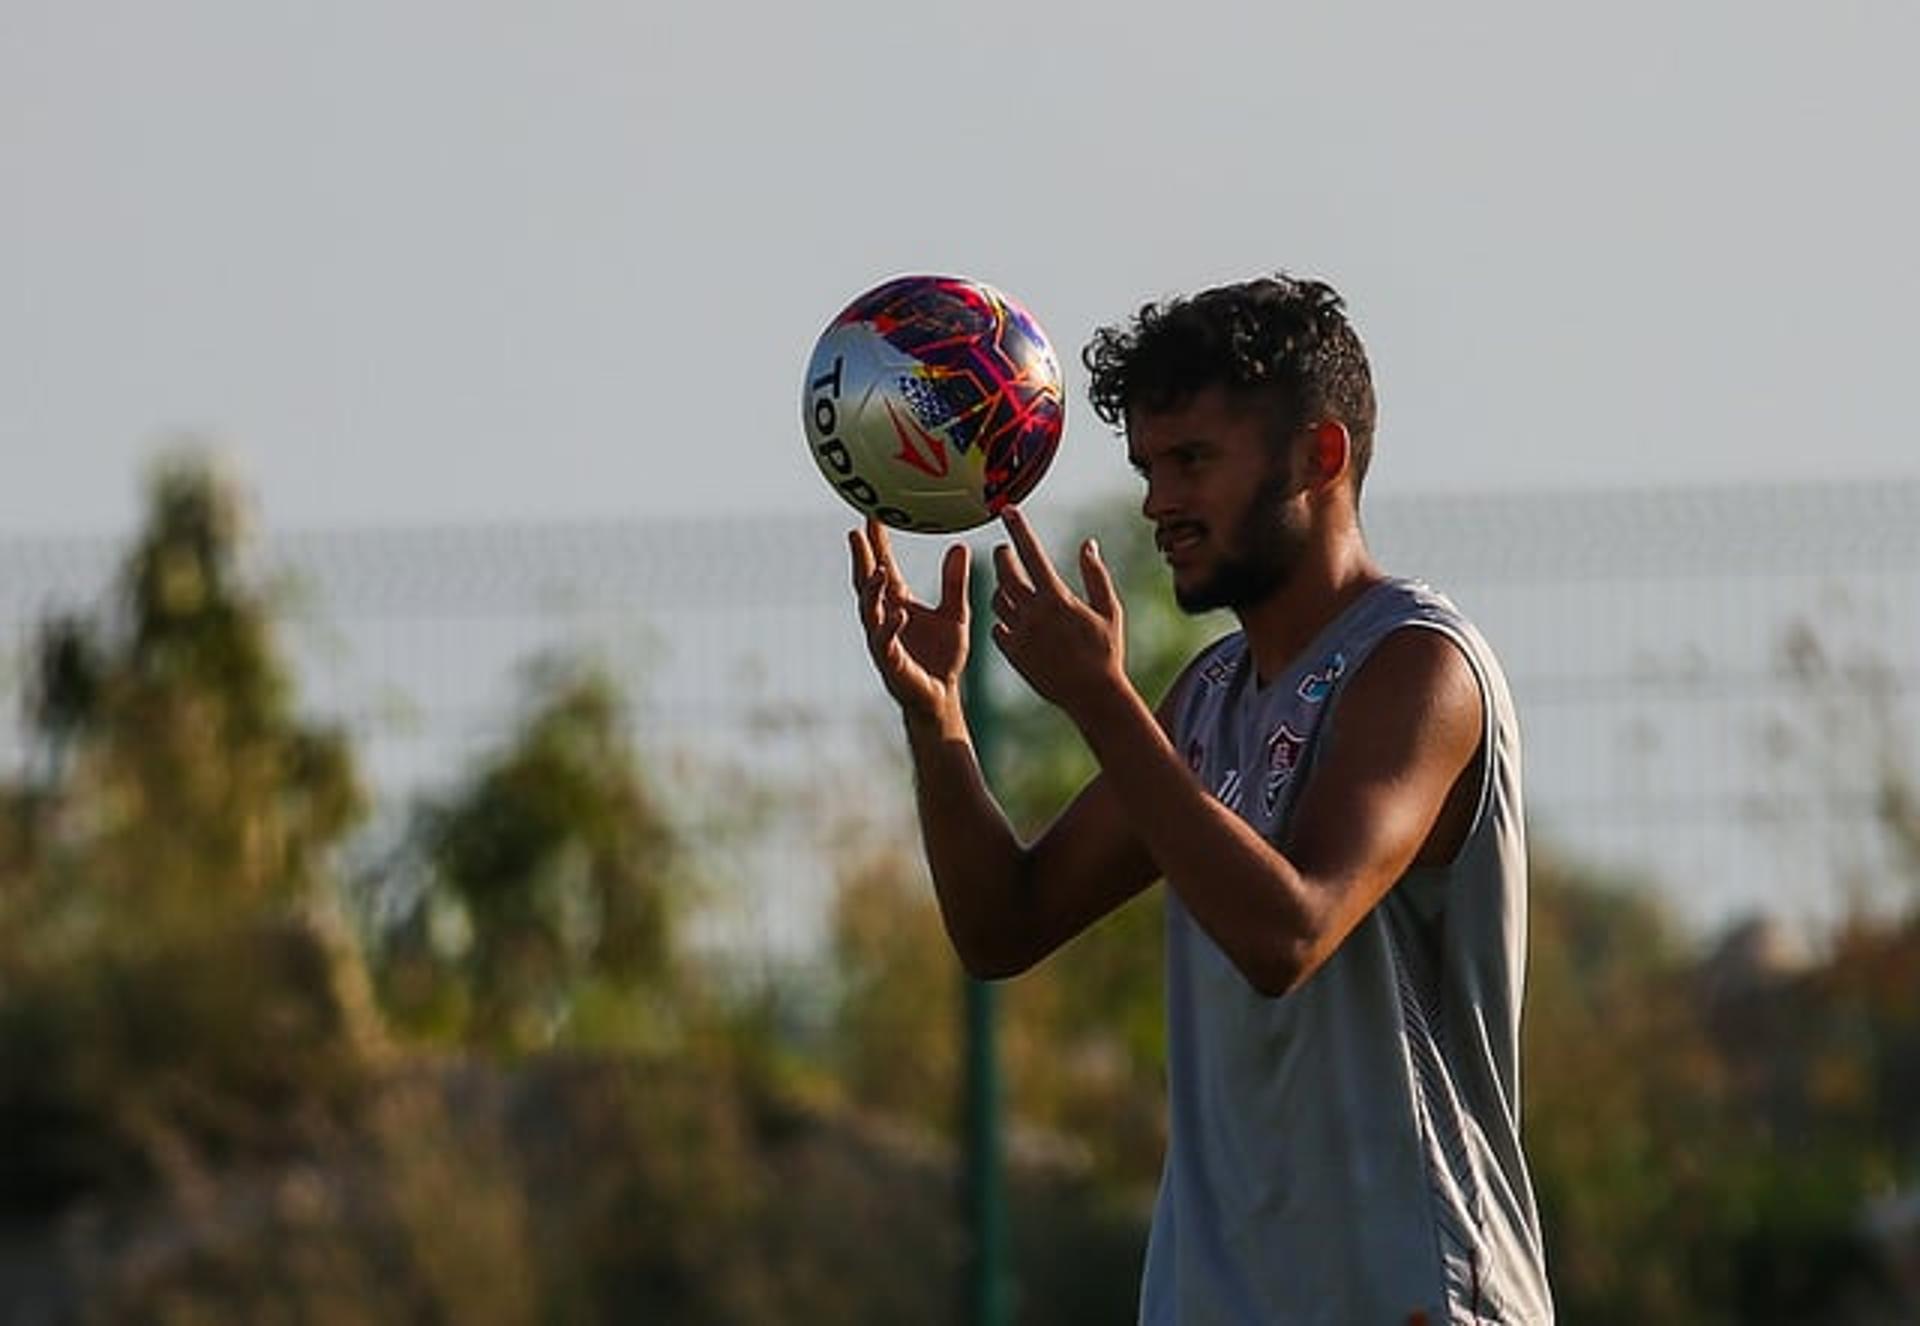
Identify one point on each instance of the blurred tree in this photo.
(550, 884)
(1841, 753)
(896, 1042)
(181, 1025)
(1704, 1134)
(1625, 1102)
(179, 775)
(174, 989)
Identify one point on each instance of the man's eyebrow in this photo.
(1184, 447)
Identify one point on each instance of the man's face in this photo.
(1226, 512)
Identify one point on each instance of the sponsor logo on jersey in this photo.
(1228, 792)
(1220, 671)
(1317, 685)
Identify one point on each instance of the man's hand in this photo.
(920, 651)
(1071, 651)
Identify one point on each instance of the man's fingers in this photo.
(883, 561)
(953, 579)
(1102, 597)
(884, 626)
(1007, 572)
(872, 594)
(883, 550)
(871, 577)
(861, 554)
(1032, 555)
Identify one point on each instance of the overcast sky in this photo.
(412, 262)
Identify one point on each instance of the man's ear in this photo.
(1329, 451)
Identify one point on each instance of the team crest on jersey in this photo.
(1317, 685)
(1283, 757)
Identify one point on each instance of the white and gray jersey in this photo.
(1349, 1153)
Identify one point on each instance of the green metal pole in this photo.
(989, 1287)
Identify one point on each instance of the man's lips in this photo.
(1173, 540)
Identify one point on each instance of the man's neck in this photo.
(1283, 624)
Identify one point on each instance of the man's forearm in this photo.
(972, 852)
(1241, 890)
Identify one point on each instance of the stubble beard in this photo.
(1267, 545)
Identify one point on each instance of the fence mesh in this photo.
(1714, 683)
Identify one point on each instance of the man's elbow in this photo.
(1277, 969)
(994, 968)
(988, 958)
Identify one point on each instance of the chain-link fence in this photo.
(1713, 683)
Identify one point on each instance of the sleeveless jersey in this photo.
(1349, 1153)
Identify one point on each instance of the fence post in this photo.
(988, 1285)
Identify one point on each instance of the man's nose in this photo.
(1158, 503)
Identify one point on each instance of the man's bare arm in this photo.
(1005, 904)
(1405, 731)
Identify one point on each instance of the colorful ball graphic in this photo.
(931, 402)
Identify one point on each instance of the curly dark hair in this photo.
(1280, 334)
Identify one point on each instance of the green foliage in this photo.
(1619, 1087)
(206, 1120)
(177, 763)
(582, 1189)
(895, 1044)
(149, 1060)
(557, 871)
(173, 994)
(1704, 1138)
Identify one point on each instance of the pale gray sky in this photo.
(443, 261)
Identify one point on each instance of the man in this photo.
(1331, 795)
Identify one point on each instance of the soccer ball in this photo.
(931, 402)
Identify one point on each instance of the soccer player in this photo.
(1331, 795)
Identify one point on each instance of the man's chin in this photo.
(1230, 589)
(1196, 599)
